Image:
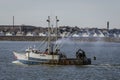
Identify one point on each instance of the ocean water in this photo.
(105, 67)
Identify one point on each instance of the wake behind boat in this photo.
(51, 55)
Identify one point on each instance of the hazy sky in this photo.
(82, 13)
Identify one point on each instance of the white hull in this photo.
(33, 58)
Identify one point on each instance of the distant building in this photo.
(105, 33)
(119, 35)
(2, 33)
(42, 34)
(10, 34)
(85, 35)
(75, 35)
(65, 34)
(101, 35)
(29, 34)
(53, 34)
(115, 35)
(63, 31)
(16, 28)
(95, 35)
(19, 33)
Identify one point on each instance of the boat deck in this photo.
(70, 61)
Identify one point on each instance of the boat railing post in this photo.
(28, 55)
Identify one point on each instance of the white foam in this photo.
(17, 62)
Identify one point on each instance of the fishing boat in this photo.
(50, 55)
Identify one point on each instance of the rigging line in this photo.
(59, 46)
(26, 46)
(43, 42)
(55, 46)
(74, 44)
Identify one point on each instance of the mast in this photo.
(57, 28)
(49, 36)
(56, 31)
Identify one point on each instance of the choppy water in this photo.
(106, 67)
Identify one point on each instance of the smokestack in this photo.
(13, 21)
(107, 25)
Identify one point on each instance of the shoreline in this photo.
(44, 38)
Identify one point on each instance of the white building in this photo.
(106, 34)
(42, 34)
(85, 35)
(119, 35)
(19, 33)
(116, 35)
(65, 34)
(95, 35)
(9, 34)
(75, 35)
(53, 34)
(29, 34)
(101, 34)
